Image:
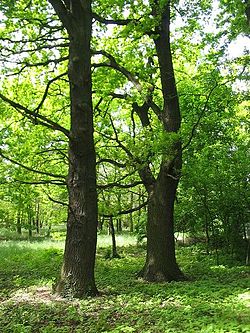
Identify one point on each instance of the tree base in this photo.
(152, 274)
(69, 289)
(112, 254)
(115, 256)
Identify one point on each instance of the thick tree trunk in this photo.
(161, 263)
(77, 275)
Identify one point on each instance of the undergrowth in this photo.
(215, 299)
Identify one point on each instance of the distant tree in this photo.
(214, 195)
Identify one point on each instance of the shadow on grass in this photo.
(216, 301)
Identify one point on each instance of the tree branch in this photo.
(42, 182)
(29, 168)
(44, 63)
(35, 117)
(101, 19)
(47, 90)
(120, 96)
(57, 201)
(113, 64)
(108, 160)
(132, 78)
(116, 184)
(128, 211)
(35, 49)
(199, 117)
(62, 12)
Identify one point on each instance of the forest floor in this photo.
(216, 299)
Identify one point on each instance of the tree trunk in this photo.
(161, 263)
(19, 224)
(119, 225)
(37, 217)
(131, 221)
(101, 222)
(30, 225)
(77, 274)
(112, 232)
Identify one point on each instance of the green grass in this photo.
(215, 300)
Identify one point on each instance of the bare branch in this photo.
(43, 63)
(57, 201)
(98, 104)
(121, 96)
(199, 117)
(131, 77)
(121, 145)
(58, 150)
(62, 12)
(10, 51)
(42, 182)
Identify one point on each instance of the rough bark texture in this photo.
(77, 275)
(161, 263)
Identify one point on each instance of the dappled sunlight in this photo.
(215, 301)
(245, 298)
(43, 244)
(34, 295)
(218, 268)
(121, 240)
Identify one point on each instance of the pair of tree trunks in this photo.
(77, 275)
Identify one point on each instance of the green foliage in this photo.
(214, 193)
(35, 46)
(213, 199)
(233, 14)
(216, 301)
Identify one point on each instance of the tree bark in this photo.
(19, 224)
(77, 274)
(161, 262)
(37, 217)
(112, 232)
(30, 224)
(131, 221)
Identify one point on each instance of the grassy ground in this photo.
(215, 300)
